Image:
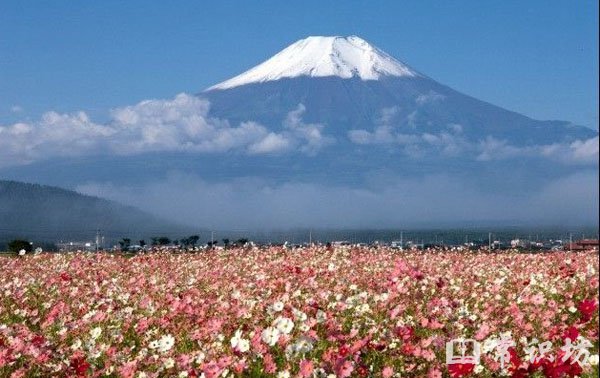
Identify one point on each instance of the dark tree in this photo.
(193, 240)
(125, 243)
(142, 243)
(163, 240)
(226, 243)
(19, 244)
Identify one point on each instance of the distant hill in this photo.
(51, 214)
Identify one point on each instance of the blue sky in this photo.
(539, 58)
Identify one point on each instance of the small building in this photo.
(582, 245)
(76, 246)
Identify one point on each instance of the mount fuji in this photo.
(331, 130)
(352, 86)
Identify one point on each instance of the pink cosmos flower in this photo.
(387, 372)
(306, 368)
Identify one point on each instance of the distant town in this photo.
(193, 244)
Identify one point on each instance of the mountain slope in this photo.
(47, 213)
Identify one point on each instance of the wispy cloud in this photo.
(430, 97)
(309, 135)
(578, 152)
(452, 142)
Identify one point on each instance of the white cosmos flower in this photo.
(593, 360)
(239, 343)
(283, 324)
(166, 343)
(169, 363)
(572, 310)
(283, 374)
(299, 315)
(321, 316)
(277, 306)
(200, 358)
(95, 332)
(270, 335)
(76, 345)
(301, 346)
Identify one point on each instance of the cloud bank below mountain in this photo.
(436, 200)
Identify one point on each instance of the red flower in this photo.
(571, 333)
(65, 276)
(515, 361)
(460, 370)
(587, 307)
(439, 283)
(80, 366)
(362, 371)
(344, 351)
(37, 341)
(559, 368)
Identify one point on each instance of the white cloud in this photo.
(181, 124)
(386, 132)
(577, 152)
(430, 97)
(271, 143)
(585, 151)
(309, 134)
(53, 135)
(16, 109)
(447, 143)
(452, 142)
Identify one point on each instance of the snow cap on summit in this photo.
(344, 57)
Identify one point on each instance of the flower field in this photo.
(298, 313)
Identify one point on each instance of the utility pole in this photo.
(570, 242)
(97, 239)
(490, 241)
(310, 238)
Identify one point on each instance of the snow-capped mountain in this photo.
(350, 86)
(344, 57)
